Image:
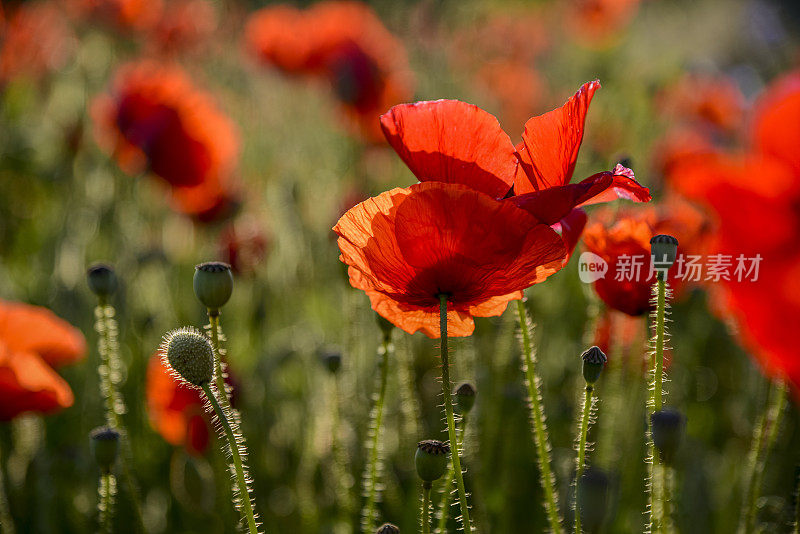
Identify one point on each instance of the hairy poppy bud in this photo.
(667, 432)
(465, 397)
(105, 444)
(387, 528)
(593, 362)
(213, 284)
(190, 354)
(664, 250)
(592, 499)
(101, 279)
(332, 360)
(431, 459)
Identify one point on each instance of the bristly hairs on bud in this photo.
(189, 355)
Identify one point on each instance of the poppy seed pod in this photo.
(102, 279)
(213, 284)
(105, 444)
(332, 360)
(387, 528)
(667, 427)
(664, 250)
(593, 362)
(190, 354)
(592, 499)
(465, 397)
(431, 459)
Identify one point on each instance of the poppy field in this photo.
(375, 267)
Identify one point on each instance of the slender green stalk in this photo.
(6, 523)
(214, 330)
(425, 511)
(584, 430)
(234, 444)
(110, 373)
(375, 467)
(540, 436)
(451, 423)
(444, 504)
(339, 464)
(105, 506)
(763, 439)
(656, 504)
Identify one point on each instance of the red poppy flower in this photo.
(711, 101)
(184, 25)
(31, 338)
(125, 15)
(753, 198)
(342, 42)
(405, 247)
(598, 22)
(36, 40)
(156, 119)
(623, 241)
(176, 411)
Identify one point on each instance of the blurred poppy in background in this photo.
(125, 15)
(600, 22)
(184, 25)
(344, 43)
(33, 340)
(156, 120)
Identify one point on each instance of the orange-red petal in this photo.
(776, 129)
(550, 143)
(453, 142)
(28, 384)
(27, 328)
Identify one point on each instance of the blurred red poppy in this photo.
(598, 22)
(343, 42)
(705, 99)
(622, 240)
(405, 247)
(244, 244)
(125, 15)
(184, 25)
(762, 185)
(31, 340)
(175, 411)
(155, 119)
(36, 40)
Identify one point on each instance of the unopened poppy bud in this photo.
(105, 444)
(101, 279)
(332, 360)
(431, 459)
(667, 427)
(190, 354)
(385, 325)
(664, 250)
(213, 284)
(593, 489)
(387, 528)
(593, 362)
(465, 397)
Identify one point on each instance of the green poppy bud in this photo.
(387, 528)
(105, 444)
(593, 490)
(101, 279)
(667, 427)
(431, 459)
(664, 250)
(465, 397)
(593, 362)
(190, 354)
(213, 284)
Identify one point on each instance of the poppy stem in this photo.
(110, 373)
(425, 511)
(588, 401)
(374, 467)
(540, 436)
(220, 372)
(340, 460)
(447, 491)
(763, 439)
(236, 446)
(656, 505)
(105, 507)
(451, 423)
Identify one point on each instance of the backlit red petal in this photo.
(26, 328)
(28, 384)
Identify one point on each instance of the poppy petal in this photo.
(623, 185)
(453, 142)
(571, 228)
(550, 143)
(26, 328)
(28, 384)
(776, 129)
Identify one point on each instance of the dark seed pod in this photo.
(664, 250)
(105, 444)
(668, 425)
(387, 528)
(594, 360)
(465, 397)
(431, 459)
(102, 280)
(213, 284)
